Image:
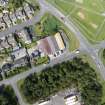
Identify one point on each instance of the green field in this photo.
(87, 15)
(49, 25)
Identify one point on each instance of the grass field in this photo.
(87, 15)
(49, 25)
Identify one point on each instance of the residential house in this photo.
(13, 18)
(24, 35)
(18, 54)
(3, 2)
(20, 14)
(11, 41)
(29, 11)
(20, 62)
(7, 20)
(4, 43)
(2, 25)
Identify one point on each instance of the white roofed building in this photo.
(72, 100)
(18, 54)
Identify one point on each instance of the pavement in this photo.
(85, 46)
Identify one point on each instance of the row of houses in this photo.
(51, 46)
(8, 19)
(10, 41)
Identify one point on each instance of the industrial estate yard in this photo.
(52, 52)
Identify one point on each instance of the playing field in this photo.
(87, 15)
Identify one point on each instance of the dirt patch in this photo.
(81, 15)
(94, 25)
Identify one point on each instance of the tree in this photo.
(61, 76)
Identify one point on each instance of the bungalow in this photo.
(3, 2)
(4, 43)
(7, 20)
(24, 35)
(11, 41)
(13, 18)
(18, 54)
(2, 24)
(29, 11)
(20, 15)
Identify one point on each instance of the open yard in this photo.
(49, 25)
(87, 15)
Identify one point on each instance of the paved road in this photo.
(84, 44)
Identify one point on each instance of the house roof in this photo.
(18, 54)
(50, 45)
(59, 41)
(25, 36)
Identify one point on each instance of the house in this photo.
(18, 54)
(29, 11)
(13, 18)
(4, 43)
(7, 20)
(11, 41)
(7, 66)
(3, 2)
(20, 62)
(51, 45)
(2, 24)
(24, 35)
(20, 15)
(59, 41)
(72, 100)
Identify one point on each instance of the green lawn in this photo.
(62, 6)
(41, 60)
(86, 15)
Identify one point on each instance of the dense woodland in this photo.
(7, 96)
(71, 73)
(104, 53)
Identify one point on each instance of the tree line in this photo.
(7, 96)
(75, 73)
